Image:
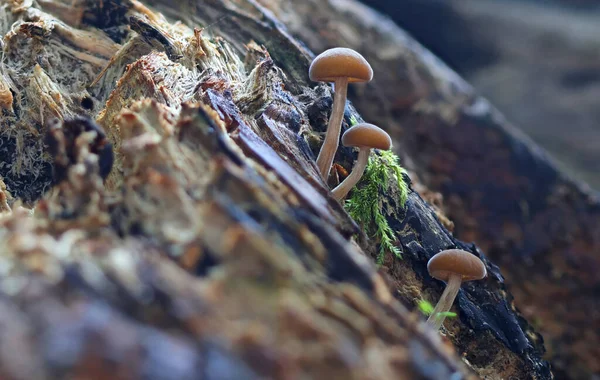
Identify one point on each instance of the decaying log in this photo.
(212, 249)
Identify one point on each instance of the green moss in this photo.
(365, 204)
(353, 121)
(427, 308)
(447, 314)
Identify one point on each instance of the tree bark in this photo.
(213, 249)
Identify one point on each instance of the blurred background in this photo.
(537, 61)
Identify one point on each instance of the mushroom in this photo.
(453, 266)
(364, 136)
(341, 66)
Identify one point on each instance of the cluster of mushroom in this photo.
(342, 66)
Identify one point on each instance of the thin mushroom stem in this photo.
(332, 137)
(446, 301)
(343, 188)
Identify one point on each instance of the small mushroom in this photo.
(453, 266)
(341, 66)
(365, 137)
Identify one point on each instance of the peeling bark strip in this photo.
(212, 249)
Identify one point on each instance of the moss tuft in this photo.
(365, 206)
(427, 309)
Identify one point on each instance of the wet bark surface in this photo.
(174, 204)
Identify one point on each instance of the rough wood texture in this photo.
(212, 249)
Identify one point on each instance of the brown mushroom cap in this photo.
(339, 63)
(456, 261)
(367, 135)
